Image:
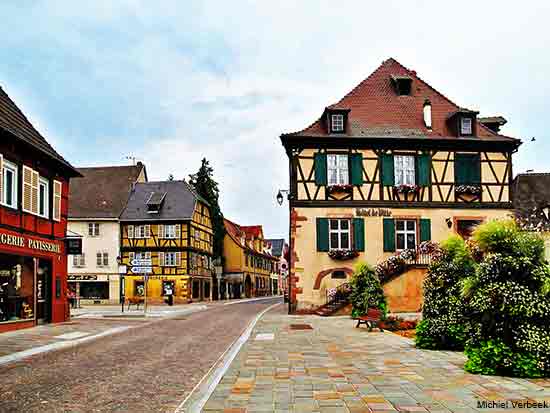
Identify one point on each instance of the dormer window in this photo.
(337, 123)
(466, 126)
(155, 201)
(402, 85)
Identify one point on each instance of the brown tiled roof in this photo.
(102, 192)
(16, 123)
(376, 110)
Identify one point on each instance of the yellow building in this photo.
(248, 264)
(392, 164)
(169, 224)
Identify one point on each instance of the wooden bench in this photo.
(371, 319)
(135, 301)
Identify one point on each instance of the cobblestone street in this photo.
(150, 368)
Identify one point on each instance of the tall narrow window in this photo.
(170, 231)
(404, 170)
(338, 169)
(339, 233)
(93, 229)
(9, 184)
(43, 197)
(405, 234)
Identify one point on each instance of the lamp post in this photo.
(121, 274)
(280, 200)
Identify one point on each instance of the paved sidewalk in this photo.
(334, 367)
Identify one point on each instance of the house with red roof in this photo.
(390, 167)
(249, 265)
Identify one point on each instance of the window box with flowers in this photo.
(468, 189)
(342, 255)
(406, 189)
(339, 188)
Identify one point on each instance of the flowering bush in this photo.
(406, 189)
(390, 267)
(431, 248)
(408, 255)
(442, 325)
(468, 189)
(342, 254)
(339, 188)
(509, 303)
(366, 291)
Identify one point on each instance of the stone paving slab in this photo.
(335, 367)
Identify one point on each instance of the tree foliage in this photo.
(366, 291)
(205, 185)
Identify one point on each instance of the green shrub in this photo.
(366, 291)
(508, 306)
(443, 321)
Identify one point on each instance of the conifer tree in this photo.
(205, 185)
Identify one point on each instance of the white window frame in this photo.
(339, 230)
(93, 229)
(169, 231)
(405, 232)
(142, 255)
(140, 231)
(170, 259)
(404, 169)
(102, 259)
(11, 167)
(44, 183)
(464, 128)
(337, 169)
(337, 122)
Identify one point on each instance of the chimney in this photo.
(428, 114)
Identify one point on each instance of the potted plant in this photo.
(346, 188)
(468, 189)
(342, 255)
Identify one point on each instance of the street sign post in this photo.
(141, 262)
(141, 270)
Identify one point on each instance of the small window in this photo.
(337, 123)
(405, 234)
(404, 170)
(338, 173)
(93, 229)
(169, 259)
(466, 126)
(79, 261)
(9, 187)
(43, 197)
(170, 231)
(102, 259)
(338, 275)
(339, 233)
(142, 231)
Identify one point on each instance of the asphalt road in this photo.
(147, 369)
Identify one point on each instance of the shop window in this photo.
(9, 184)
(139, 288)
(168, 288)
(43, 197)
(94, 290)
(16, 288)
(93, 229)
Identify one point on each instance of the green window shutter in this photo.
(320, 165)
(467, 169)
(389, 235)
(322, 234)
(388, 178)
(359, 234)
(424, 170)
(425, 229)
(356, 166)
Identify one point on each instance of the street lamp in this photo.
(280, 200)
(121, 274)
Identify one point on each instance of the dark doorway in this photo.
(248, 287)
(196, 290)
(44, 292)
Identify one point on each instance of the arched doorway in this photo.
(248, 286)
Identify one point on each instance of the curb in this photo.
(206, 386)
(249, 300)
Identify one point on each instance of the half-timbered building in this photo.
(34, 187)
(392, 164)
(168, 223)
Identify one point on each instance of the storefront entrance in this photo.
(17, 288)
(43, 292)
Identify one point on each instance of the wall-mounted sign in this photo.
(373, 212)
(74, 246)
(82, 277)
(25, 242)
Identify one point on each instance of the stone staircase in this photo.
(338, 301)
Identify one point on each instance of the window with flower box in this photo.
(404, 170)
(340, 234)
(338, 173)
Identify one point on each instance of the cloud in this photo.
(173, 82)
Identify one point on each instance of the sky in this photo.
(171, 82)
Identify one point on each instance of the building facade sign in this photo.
(373, 212)
(25, 242)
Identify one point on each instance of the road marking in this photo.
(209, 382)
(10, 358)
(265, 337)
(72, 336)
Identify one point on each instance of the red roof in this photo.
(253, 231)
(237, 232)
(377, 110)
